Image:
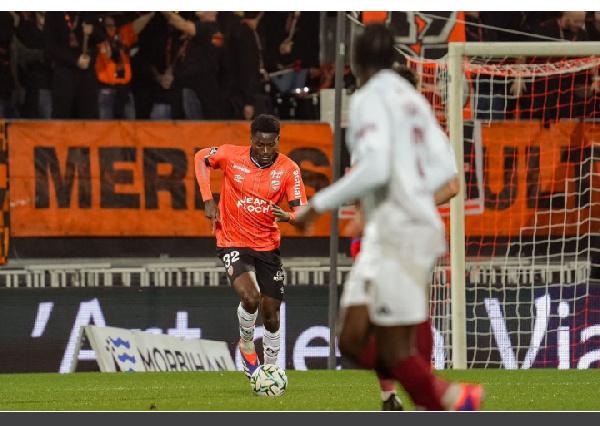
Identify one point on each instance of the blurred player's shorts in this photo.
(394, 288)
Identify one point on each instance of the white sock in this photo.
(385, 395)
(247, 321)
(271, 346)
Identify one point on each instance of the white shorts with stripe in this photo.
(393, 284)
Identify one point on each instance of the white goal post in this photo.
(457, 55)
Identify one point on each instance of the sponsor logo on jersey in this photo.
(239, 178)
(240, 168)
(213, 151)
(276, 174)
(279, 277)
(254, 205)
(275, 185)
(297, 181)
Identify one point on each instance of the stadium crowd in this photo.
(154, 65)
(210, 65)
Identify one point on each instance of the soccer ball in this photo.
(268, 380)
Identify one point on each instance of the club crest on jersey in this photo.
(239, 178)
(275, 185)
(276, 174)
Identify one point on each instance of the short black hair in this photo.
(406, 73)
(374, 48)
(265, 123)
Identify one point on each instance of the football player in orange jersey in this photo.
(256, 179)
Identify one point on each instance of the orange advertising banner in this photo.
(135, 179)
(537, 180)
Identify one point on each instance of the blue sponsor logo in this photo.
(122, 356)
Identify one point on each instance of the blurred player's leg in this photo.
(387, 385)
(412, 371)
(424, 340)
(391, 401)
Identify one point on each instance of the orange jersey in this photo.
(246, 194)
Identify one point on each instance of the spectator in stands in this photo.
(8, 81)
(569, 26)
(488, 99)
(198, 69)
(592, 25)
(71, 43)
(291, 49)
(35, 71)
(113, 67)
(243, 59)
(144, 58)
(556, 96)
(254, 21)
(164, 54)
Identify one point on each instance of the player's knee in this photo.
(349, 346)
(250, 301)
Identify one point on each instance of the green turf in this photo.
(347, 390)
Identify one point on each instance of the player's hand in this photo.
(279, 213)
(211, 211)
(305, 217)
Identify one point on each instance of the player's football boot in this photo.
(393, 403)
(249, 359)
(470, 399)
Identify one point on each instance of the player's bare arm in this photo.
(211, 210)
(448, 191)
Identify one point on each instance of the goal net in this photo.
(520, 289)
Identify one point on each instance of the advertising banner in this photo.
(110, 179)
(130, 179)
(118, 349)
(536, 180)
(550, 327)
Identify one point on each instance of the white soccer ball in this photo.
(268, 380)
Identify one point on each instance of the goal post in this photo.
(542, 266)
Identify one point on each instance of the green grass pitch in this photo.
(347, 390)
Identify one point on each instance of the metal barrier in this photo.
(495, 272)
(153, 274)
